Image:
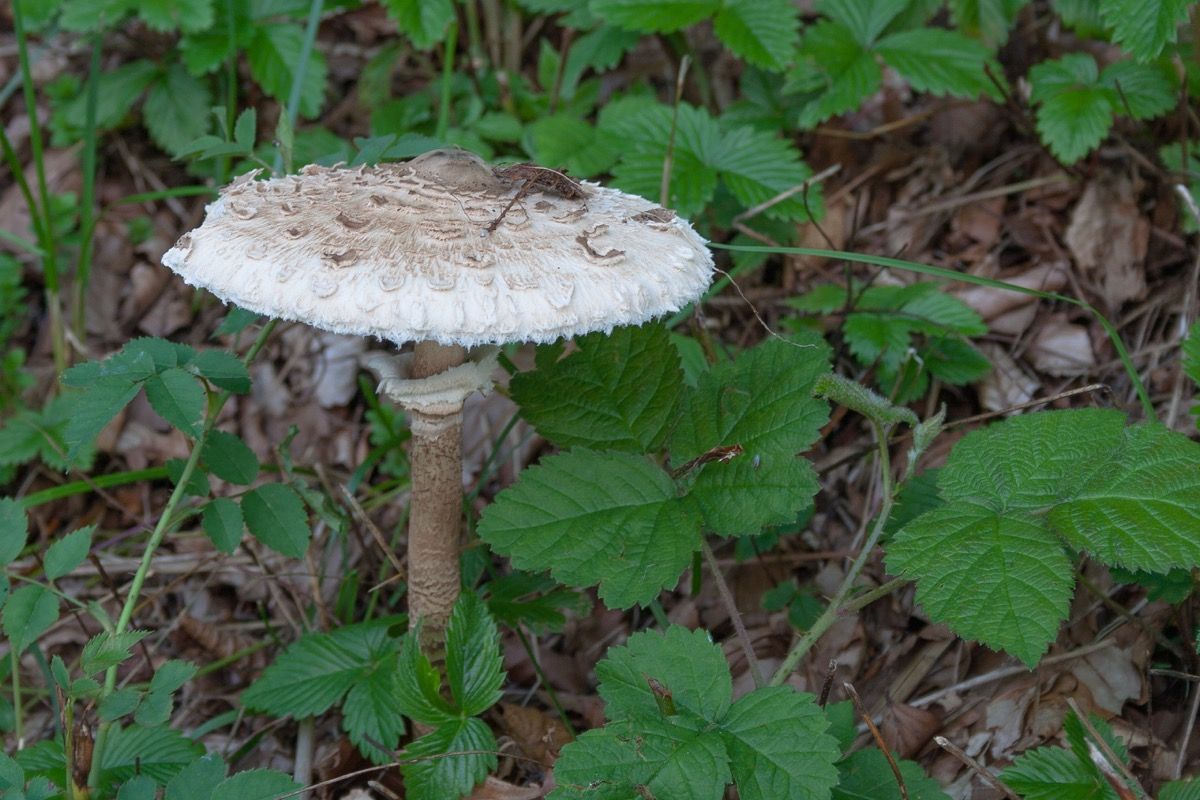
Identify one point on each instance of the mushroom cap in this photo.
(426, 251)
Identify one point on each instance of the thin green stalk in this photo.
(87, 198)
(949, 275)
(448, 57)
(99, 482)
(837, 606)
(231, 86)
(18, 723)
(315, 8)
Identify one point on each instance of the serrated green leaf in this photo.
(171, 675)
(119, 703)
(618, 391)
(419, 686)
(610, 519)
(274, 56)
(686, 662)
(21, 438)
(1145, 91)
(176, 110)
(11, 774)
(371, 713)
(256, 784)
(423, 21)
(245, 131)
(866, 775)
(1052, 773)
(600, 49)
(139, 787)
(117, 94)
(107, 649)
(991, 561)
(159, 753)
(474, 667)
(760, 32)
(942, 62)
(97, 406)
(230, 458)
(1144, 27)
(172, 15)
(223, 369)
(1181, 790)
(954, 361)
(436, 775)
(14, 529)
(536, 601)
(68, 552)
(846, 73)
(564, 141)
(275, 516)
(988, 20)
(29, 612)
(198, 780)
(176, 396)
(655, 16)
(158, 702)
(222, 521)
(238, 319)
(865, 19)
(1076, 112)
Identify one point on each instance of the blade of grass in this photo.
(87, 198)
(315, 8)
(944, 274)
(448, 56)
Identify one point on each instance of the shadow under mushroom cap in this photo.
(432, 250)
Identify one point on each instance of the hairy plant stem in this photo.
(16, 691)
(839, 604)
(734, 616)
(165, 523)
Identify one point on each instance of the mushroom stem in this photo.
(435, 520)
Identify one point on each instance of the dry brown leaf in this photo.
(539, 735)
(1007, 385)
(496, 789)
(1062, 349)
(991, 303)
(1108, 238)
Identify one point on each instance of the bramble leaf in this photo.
(423, 21)
(610, 519)
(992, 560)
(866, 775)
(439, 775)
(618, 391)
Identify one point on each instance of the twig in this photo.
(664, 189)
(976, 767)
(302, 767)
(1188, 728)
(879, 742)
(1106, 749)
(734, 615)
(1188, 312)
(754, 211)
(376, 534)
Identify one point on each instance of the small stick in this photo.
(883, 748)
(976, 767)
(734, 616)
(376, 534)
(827, 684)
(1101, 747)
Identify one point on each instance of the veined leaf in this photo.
(222, 521)
(423, 21)
(274, 56)
(14, 530)
(29, 612)
(230, 458)
(225, 369)
(1181, 790)
(159, 753)
(1144, 27)
(865, 19)
(836, 62)
(610, 519)
(866, 775)
(197, 780)
(761, 32)
(176, 110)
(474, 667)
(256, 784)
(276, 517)
(941, 62)
(655, 16)
(108, 649)
(438, 775)
(1052, 773)
(988, 20)
(171, 15)
(177, 397)
(1145, 91)
(1076, 112)
(68, 552)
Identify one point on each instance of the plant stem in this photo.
(87, 199)
(448, 53)
(734, 616)
(310, 37)
(98, 482)
(839, 604)
(16, 690)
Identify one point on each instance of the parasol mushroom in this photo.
(455, 256)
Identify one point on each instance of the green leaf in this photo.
(1144, 27)
(991, 561)
(988, 20)
(173, 15)
(223, 368)
(474, 668)
(159, 753)
(139, 787)
(230, 458)
(97, 407)
(866, 775)
(419, 689)
(771, 743)
(118, 93)
(423, 21)
(14, 530)
(158, 702)
(1181, 790)
(1052, 773)
(564, 141)
(942, 62)
(198, 780)
(276, 517)
(439, 775)
(1145, 91)
(619, 391)
(763, 403)
(610, 519)
(119, 703)
(256, 784)
(371, 712)
(1076, 112)
(274, 56)
(223, 523)
(176, 110)
(11, 774)
(178, 398)
(68, 552)
(30, 611)
(845, 73)
(864, 19)
(761, 32)
(655, 16)
(238, 319)
(107, 649)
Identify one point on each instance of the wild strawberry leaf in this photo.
(449, 762)
(474, 667)
(762, 32)
(1144, 27)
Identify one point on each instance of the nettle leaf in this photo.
(988, 20)
(837, 68)
(992, 562)
(866, 775)
(655, 16)
(941, 62)
(1144, 27)
(68, 552)
(1076, 111)
(276, 516)
(176, 110)
(14, 530)
(673, 731)
(618, 391)
(176, 396)
(230, 458)
(423, 21)
(763, 403)
(591, 518)
(274, 57)
(29, 612)
(760, 32)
